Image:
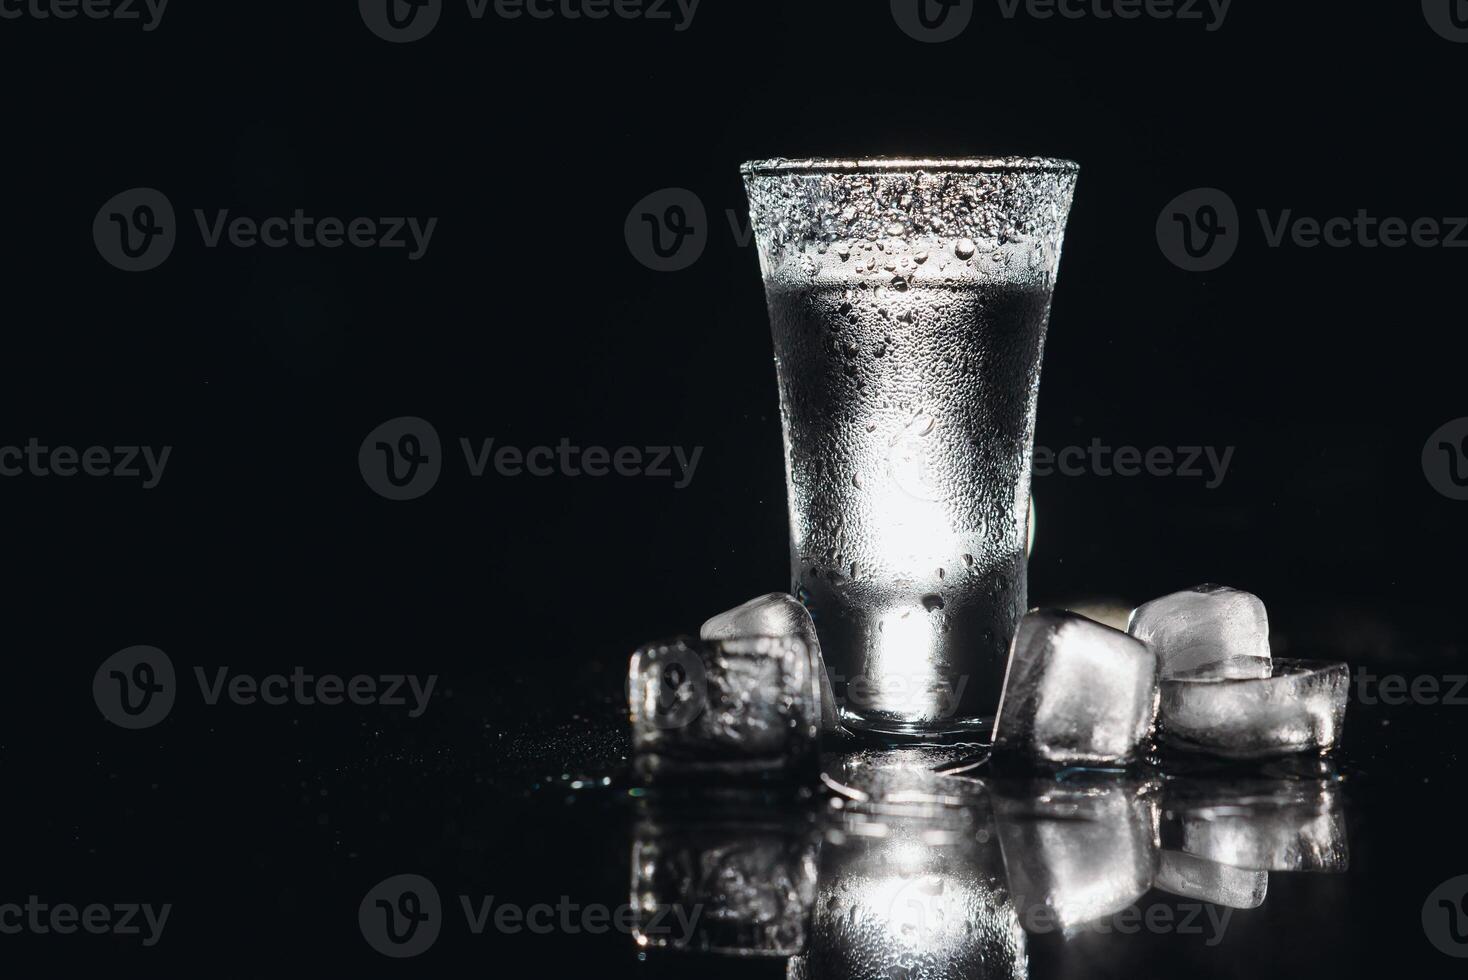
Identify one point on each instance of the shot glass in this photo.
(908, 303)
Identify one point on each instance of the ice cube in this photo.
(1207, 631)
(747, 706)
(778, 614)
(1299, 707)
(1259, 825)
(1076, 692)
(1076, 851)
(739, 880)
(1183, 874)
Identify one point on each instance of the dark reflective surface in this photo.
(519, 795)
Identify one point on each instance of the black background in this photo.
(529, 320)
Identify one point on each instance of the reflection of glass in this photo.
(931, 866)
(911, 885)
(909, 302)
(732, 879)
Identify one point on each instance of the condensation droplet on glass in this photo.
(965, 248)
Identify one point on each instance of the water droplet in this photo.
(965, 249)
(895, 229)
(932, 602)
(920, 257)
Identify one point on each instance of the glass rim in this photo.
(876, 165)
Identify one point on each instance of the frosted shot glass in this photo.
(908, 303)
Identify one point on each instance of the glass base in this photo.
(958, 731)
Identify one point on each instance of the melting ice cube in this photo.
(777, 614)
(1300, 706)
(724, 707)
(1207, 631)
(1076, 692)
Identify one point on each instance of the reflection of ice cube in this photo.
(1076, 853)
(1262, 825)
(739, 880)
(1300, 708)
(1207, 631)
(1075, 691)
(1193, 877)
(724, 707)
(777, 614)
